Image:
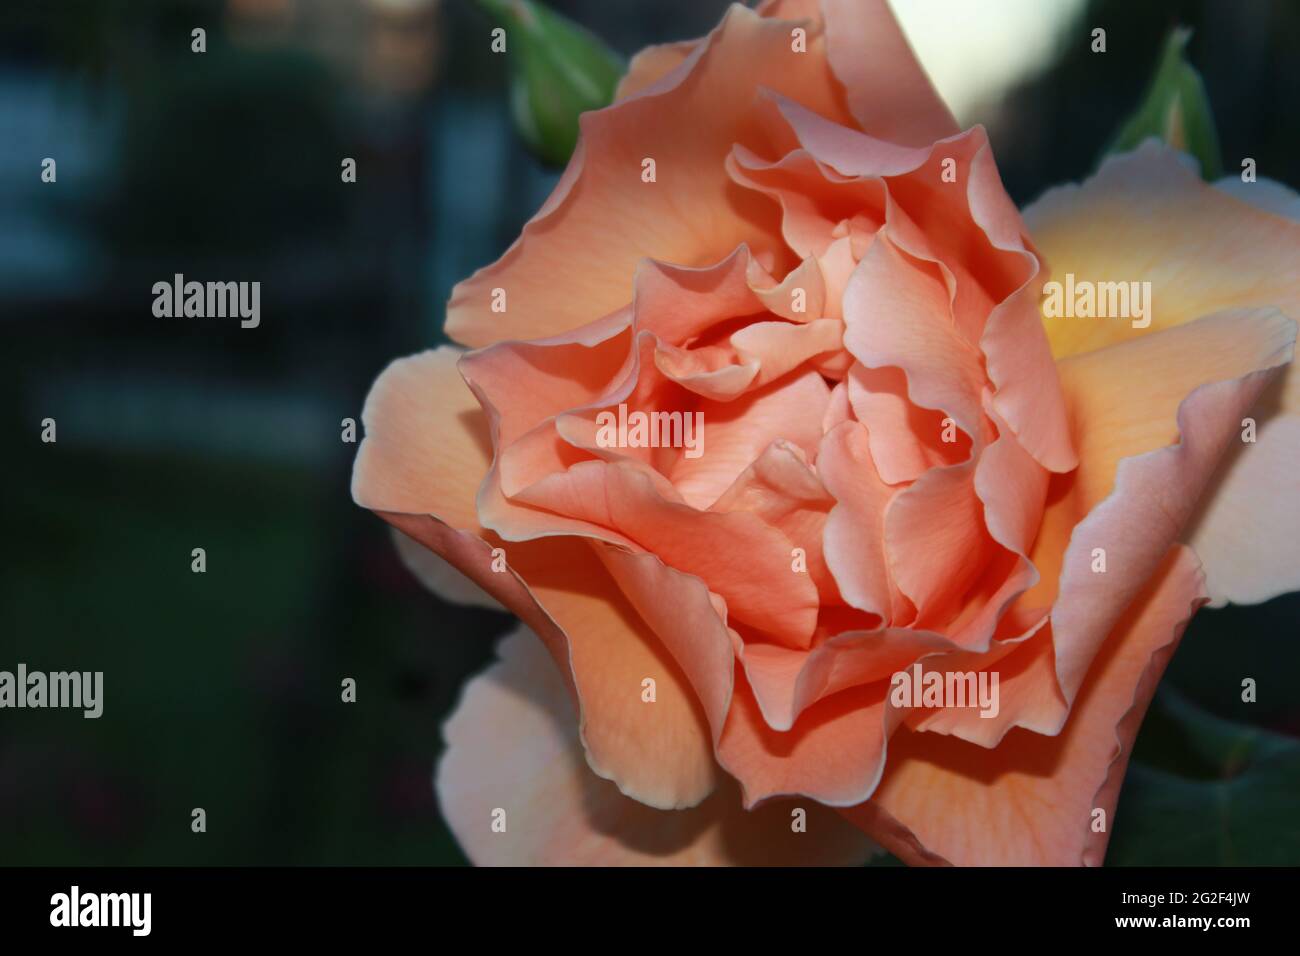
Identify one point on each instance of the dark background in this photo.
(222, 690)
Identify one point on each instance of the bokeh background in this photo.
(223, 689)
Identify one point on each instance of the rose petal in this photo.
(870, 54)
(426, 444)
(687, 618)
(897, 313)
(906, 440)
(555, 277)
(814, 199)
(854, 538)
(735, 433)
(652, 65)
(1145, 216)
(603, 650)
(1246, 533)
(760, 590)
(937, 542)
(1152, 418)
(834, 753)
(1249, 547)
(785, 492)
(511, 746)
(441, 578)
(1032, 800)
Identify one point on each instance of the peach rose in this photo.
(764, 436)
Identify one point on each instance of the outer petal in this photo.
(425, 449)
(512, 746)
(1146, 216)
(1031, 801)
(1146, 455)
(1250, 547)
(1137, 483)
(604, 650)
(422, 456)
(426, 445)
(433, 571)
(1247, 532)
(688, 619)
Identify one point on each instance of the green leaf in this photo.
(558, 70)
(1175, 110)
(1231, 802)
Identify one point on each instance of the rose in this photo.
(907, 470)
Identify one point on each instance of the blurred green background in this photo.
(223, 689)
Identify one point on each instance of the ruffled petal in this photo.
(513, 758)
(1152, 419)
(427, 443)
(557, 276)
(1033, 800)
(1147, 217)
(603, 650)
(834, 754)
